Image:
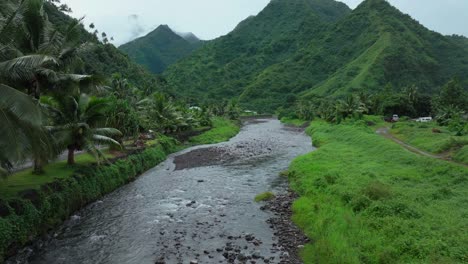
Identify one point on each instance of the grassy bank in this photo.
(365, 199)
(432, 138)
(222, 130)
(293, 122)
(31, 205)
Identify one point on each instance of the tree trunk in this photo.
(38, 166)
(71, 155)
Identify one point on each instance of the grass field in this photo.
(365, 199)
(421, 135)
(23, 180)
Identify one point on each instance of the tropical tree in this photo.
(305, 110)
(350, 107)
(76, 124)
(20, 132)
(159, 113)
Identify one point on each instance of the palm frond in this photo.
(24, 68)
(109, 132)
(103, 140)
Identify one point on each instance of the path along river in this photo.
(197, 207)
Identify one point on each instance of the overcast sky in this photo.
(208, 19)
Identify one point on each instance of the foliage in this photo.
(222, 130)
(422, 136)
(160, 48)
(364, 199)
(53, 202)
(222, 68)
(301, 49)
(76, 124)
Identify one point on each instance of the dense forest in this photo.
(161, 48)
(64, 89)
(303, 49)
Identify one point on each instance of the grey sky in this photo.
(208, 19)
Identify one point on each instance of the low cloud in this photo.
(136, 27)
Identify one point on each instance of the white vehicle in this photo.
(424, 119)
(395, 118)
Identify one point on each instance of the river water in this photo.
(203, 213)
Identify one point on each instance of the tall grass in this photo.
(365, 199)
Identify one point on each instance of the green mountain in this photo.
(319, 47)
(161, 48)
(225, 66)
(372, 47)
(103, 59)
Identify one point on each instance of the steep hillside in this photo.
(319, 47)
(372, 47)
(222, 68)
(161, 48)
(103, 59)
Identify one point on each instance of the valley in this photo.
(309, 133)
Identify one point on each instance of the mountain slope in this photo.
(103, 60)
(161, 48)
(224, 66)
(319, 47)
(372, 47)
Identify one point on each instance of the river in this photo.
(196, 212)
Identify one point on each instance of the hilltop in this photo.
(161, 48)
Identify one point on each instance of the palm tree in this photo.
(21, 132)
(77, 122)
(159, 113)
(351, 106)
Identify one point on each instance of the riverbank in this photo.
(201, 214)
(365, 199)
(31, 205)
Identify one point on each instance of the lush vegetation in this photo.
(222, 68)
(51, 101)
(433, 138)
(65, 90)
(160, 48)
(365, 199)
(296, 49)
(44, 202)
(222, 130)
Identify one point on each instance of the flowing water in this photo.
(201, 213)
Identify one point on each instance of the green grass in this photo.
(421, 135)
(365, 199)
(293, 122)
(462, 155)
(222, 130)
(23, 180)
(266, 196)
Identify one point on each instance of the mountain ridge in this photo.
(161, 48)
(315, 52)
(272, 36)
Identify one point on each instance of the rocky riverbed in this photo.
(197, 207)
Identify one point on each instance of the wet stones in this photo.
(291, 238)
(192, 203)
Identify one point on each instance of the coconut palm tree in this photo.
(76, 124)
(351, 106)
(159, 113)
(18, 113)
